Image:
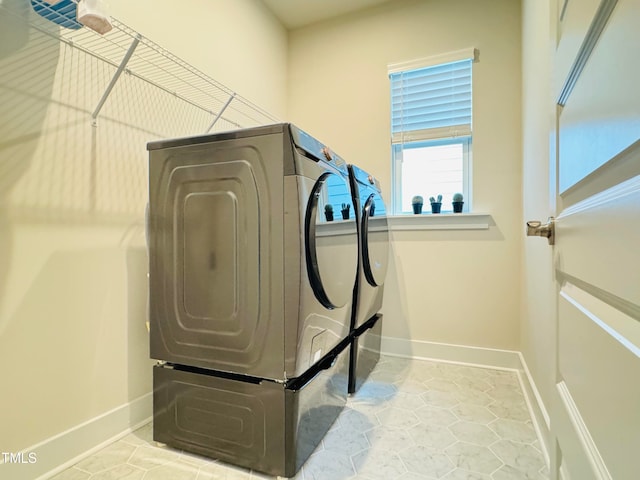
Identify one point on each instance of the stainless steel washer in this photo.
(251, 293)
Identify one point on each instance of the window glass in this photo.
(430, 169)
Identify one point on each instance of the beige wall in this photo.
(538, 326)
(73, 263)
(443, 286)
(238, 42)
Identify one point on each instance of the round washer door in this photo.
(375, 241)
(331, 241)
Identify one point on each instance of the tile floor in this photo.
(411, 420)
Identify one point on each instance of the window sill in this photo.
(441, 221)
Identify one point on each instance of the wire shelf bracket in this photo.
(114, 79)
(224, 107)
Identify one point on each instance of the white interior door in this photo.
(596, 412)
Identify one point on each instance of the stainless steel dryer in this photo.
(250, 294)
(373, 260)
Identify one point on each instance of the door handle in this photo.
(536, 228)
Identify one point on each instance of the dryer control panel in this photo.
(315, 149)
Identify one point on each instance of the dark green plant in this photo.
(345, 210)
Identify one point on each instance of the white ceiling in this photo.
(298, 13)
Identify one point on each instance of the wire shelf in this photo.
(130, 52)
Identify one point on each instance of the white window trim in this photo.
(442, 221)
(464, 54)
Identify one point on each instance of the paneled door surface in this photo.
(596, 409)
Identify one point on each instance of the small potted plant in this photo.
(457, 202)
(345, 211)
(436, 204)
(328, 212)
(416, 203)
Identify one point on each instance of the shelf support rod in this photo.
(224, 107)
(121, 67)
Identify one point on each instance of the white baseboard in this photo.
(489, 357)
(537, 408)
(482, 357)
(67, 448)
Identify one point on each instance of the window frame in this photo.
(433, 136)
(396, 171)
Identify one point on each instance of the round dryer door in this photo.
(331, 241)
(375, 241)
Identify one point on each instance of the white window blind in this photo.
(432, 102)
